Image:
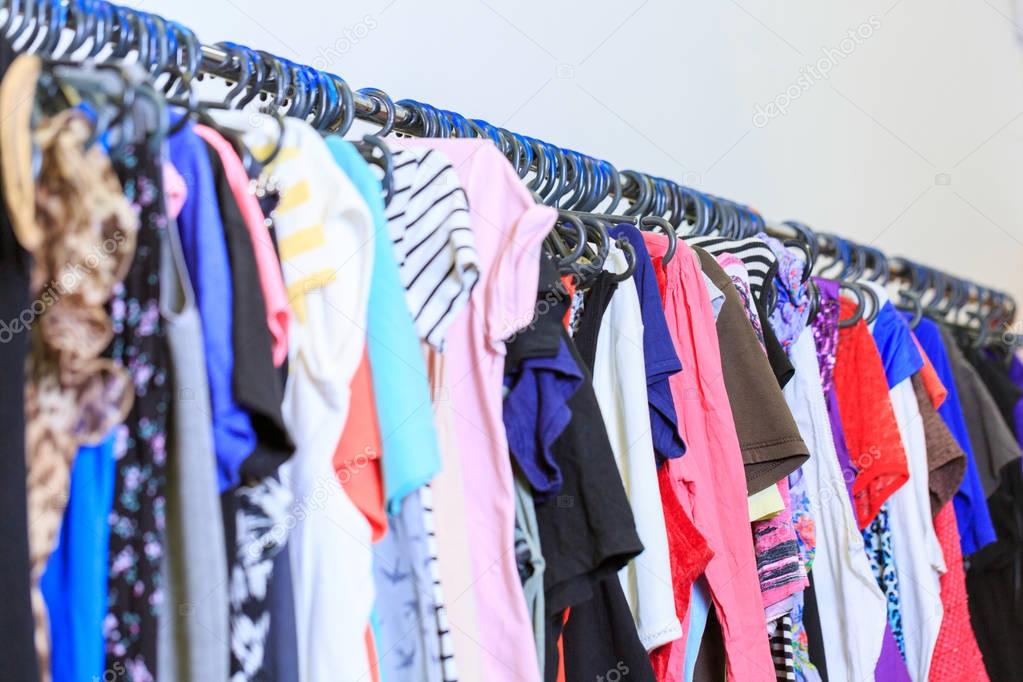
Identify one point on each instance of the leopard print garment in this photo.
(73, 395)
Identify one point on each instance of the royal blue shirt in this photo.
(972, 515)
(74, 583)
(894, 341)
(205, 250)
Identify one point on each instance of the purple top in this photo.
(890, 665)
(825, 331)
(792, 311)
(825, 336)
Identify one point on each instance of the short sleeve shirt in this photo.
(509, 228)
(868, 420)
(771, 445)
(429, 224)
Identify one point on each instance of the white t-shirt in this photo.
(853, 610)
(619, 380)
(919, 561)
(325, 237)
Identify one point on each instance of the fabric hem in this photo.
(397, 496)
(666, 634)
(781, 468)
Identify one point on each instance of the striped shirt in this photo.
(428, 221)
(757, 256)
(781, 649)
(447, 644)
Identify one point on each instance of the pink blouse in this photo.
(278, 314)
(709, 480)
(508, 227)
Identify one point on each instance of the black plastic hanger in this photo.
(861, 304)
(630, 257)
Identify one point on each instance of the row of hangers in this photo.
(974, 311)
(589, 193)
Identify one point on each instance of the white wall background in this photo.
(912, 141)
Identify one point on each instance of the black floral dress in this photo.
(135, 590)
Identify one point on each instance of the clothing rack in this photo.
(173, 47)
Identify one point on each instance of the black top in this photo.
(597, 299)
(600, 639)
(18, 661)
(588, 533)
(994, 582)
(541, 338)
(256, 382)
(995, 376)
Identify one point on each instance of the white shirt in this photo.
(853, 610)
(325, 235)
(919, 561)
(619, 379)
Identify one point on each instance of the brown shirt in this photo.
(946, 461)
(768, 437)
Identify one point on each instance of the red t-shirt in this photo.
(871, 432)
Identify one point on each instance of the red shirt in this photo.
(689, 554)
(357, 456)
(957, 657)
(935, 389)
(871, 432)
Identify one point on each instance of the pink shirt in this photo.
(509, 228)
(275, 296)
(709, 480)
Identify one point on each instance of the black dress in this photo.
(18, 662)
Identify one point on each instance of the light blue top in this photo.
(411, 453)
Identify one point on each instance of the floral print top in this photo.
(135, 591)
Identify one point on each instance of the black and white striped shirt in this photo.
(429, 225)
(756, 255)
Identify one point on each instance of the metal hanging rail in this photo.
(170, 46)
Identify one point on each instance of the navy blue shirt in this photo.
(541, 376)
(658, 352)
